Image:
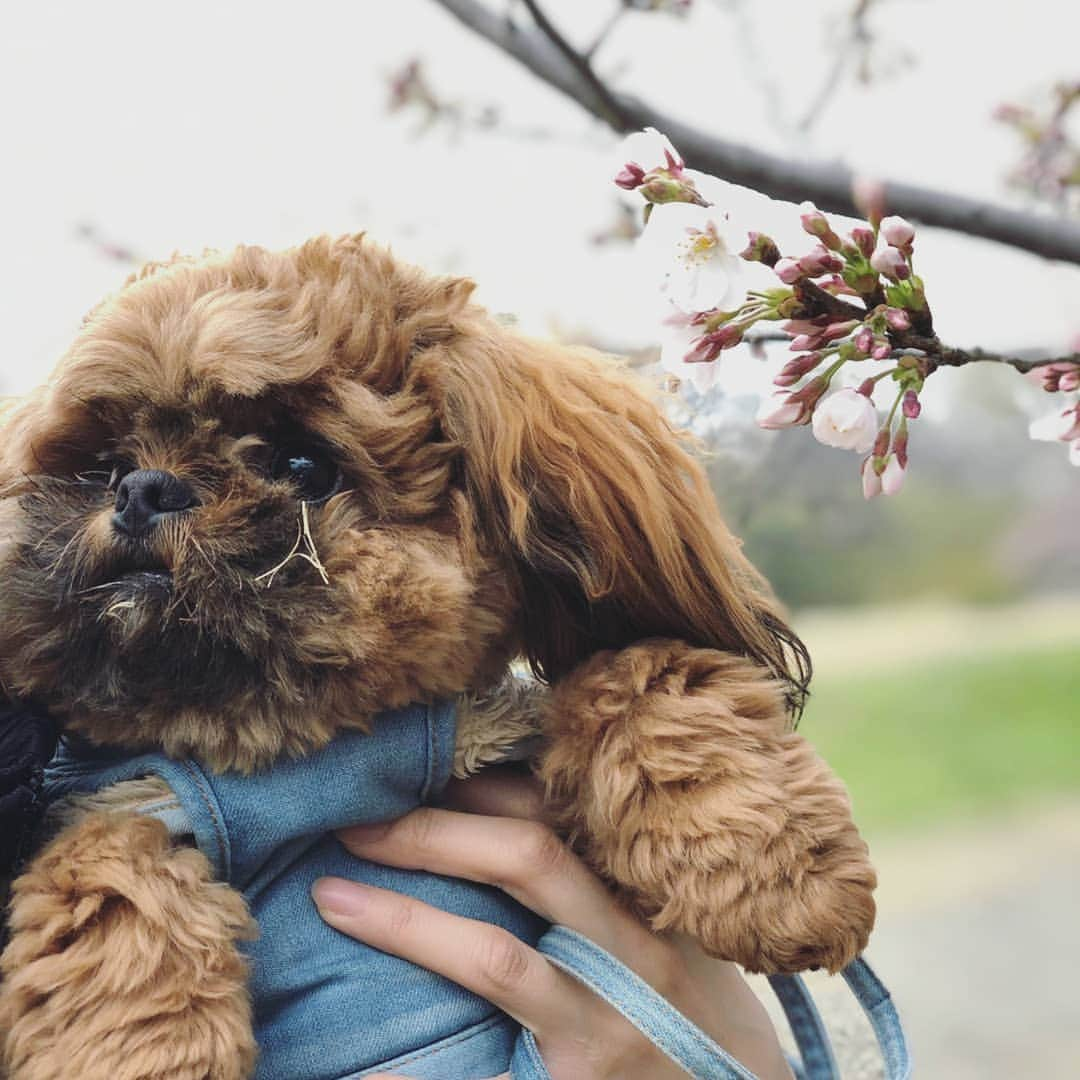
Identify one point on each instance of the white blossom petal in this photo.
(647, 149)
(690, 251)
(846, 419)
(1052, 428)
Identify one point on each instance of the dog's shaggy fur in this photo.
(500, 497)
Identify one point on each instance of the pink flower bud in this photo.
(797, 367)
(899, 446)
(805, 326)
(797, 408)
(787, 414)
(789, 271)
(819, 261)
(881, 351)
(868, 194)
(911, 405)
(838, 286)
(892, 479)
(898, 318)
(864, 340)
(817, 224)
(761, 248)
(1063, 375)
(813, 220)
(837, 330)
(871, 481)
(630, 176)
(891, 262)
(726, 337)
(863, 239)
(897, 232)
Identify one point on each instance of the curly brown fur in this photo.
(674, 771)
(502, 724)
(500, 496)
(123, 963)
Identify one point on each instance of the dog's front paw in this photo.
(672, 770)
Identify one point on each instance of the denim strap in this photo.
(818, 1062)
(655, 1017)
(878, 1005)
(664, 1026)
(807, 1026)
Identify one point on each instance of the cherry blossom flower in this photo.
(847, 420)
(1057, 427)
(691, 246)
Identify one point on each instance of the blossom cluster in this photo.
(847, 300)
(1064, 425)
(1050, 167)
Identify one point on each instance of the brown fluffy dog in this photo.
(473, 495)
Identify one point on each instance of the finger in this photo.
(485, 959)
(523, 858)
(498, 792)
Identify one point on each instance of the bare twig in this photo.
(611, 109)
(827, 184)
(602, 34)
(858, 37)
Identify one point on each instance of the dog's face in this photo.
(234, 531)
(267, 495)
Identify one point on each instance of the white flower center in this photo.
(698, 247)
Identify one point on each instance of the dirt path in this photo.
(860, 640)
(979, 940)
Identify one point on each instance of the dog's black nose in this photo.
(145, 496)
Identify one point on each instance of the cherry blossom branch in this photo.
(852, 305)
(819, 302)
(829, 185)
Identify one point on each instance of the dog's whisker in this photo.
(311, 556)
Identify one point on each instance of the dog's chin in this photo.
(144, 581)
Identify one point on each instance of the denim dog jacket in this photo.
(326, 1006)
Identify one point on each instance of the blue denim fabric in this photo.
(326, 1006)
(690, 1047)
(330, 1008)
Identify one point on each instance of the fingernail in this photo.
(365, 834)
(337, 896)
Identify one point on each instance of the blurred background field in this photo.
(956, 729)
(937, 714)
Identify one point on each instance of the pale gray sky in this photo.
(207, 124)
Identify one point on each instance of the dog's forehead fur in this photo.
(320, 335)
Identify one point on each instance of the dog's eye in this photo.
(310, 469)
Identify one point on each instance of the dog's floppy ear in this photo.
(614, 531)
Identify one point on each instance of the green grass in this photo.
(953, 739)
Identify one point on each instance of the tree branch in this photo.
(829, 185)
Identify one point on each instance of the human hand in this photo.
(493, 835)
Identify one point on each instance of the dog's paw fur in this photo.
(673, 771)
(123, 962)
